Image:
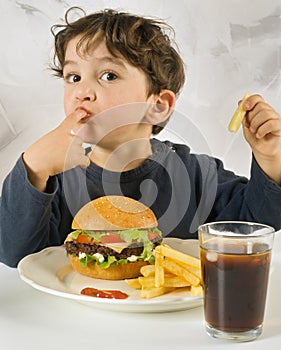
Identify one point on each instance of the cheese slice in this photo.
(118, 247)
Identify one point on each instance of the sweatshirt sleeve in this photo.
(257, 199)
(29, 219)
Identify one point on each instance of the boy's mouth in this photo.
(87, 116)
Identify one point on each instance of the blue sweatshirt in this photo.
(183, 189)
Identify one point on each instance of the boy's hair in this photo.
(141, 41)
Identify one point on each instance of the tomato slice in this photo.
(152, 235)
(112, 238)
(84, 239)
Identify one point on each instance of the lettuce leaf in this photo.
(110, 261)
(96, 235)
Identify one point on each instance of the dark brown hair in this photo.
(143, 42)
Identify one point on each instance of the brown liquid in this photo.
(235, 287)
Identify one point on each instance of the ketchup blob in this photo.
(98, 293)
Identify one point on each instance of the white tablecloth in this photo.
(31, 319)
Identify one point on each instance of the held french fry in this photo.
(238, 116)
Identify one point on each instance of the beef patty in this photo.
(136, 249)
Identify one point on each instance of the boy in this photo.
(122, 77)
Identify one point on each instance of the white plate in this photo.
(50, 272)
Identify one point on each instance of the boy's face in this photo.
(98, 82)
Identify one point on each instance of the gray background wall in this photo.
(229, 47)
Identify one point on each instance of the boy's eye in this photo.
(108, 76)
(72, 78)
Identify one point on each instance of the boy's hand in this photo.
(57, 151)
(262, 130)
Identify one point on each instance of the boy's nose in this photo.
(85, 92)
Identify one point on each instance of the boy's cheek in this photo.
(68, 107)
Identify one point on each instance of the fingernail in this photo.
(246, 105)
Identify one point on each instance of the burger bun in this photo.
(113, 272)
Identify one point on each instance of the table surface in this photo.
(31, 319)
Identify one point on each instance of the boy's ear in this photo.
(162, 107)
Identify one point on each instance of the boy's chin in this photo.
(89, 136)
(92, 139)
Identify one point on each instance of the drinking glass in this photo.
(235, 261)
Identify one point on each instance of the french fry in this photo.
(238, 116)
(194, 270)
(178, 256)
(175, 281)
(133, 283)
(170, 281)
(159, 269)
(148, 270)
(196, 291)
(178, 270)
(147, 282)
(155, 292)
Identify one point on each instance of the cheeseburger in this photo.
(114, 237)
